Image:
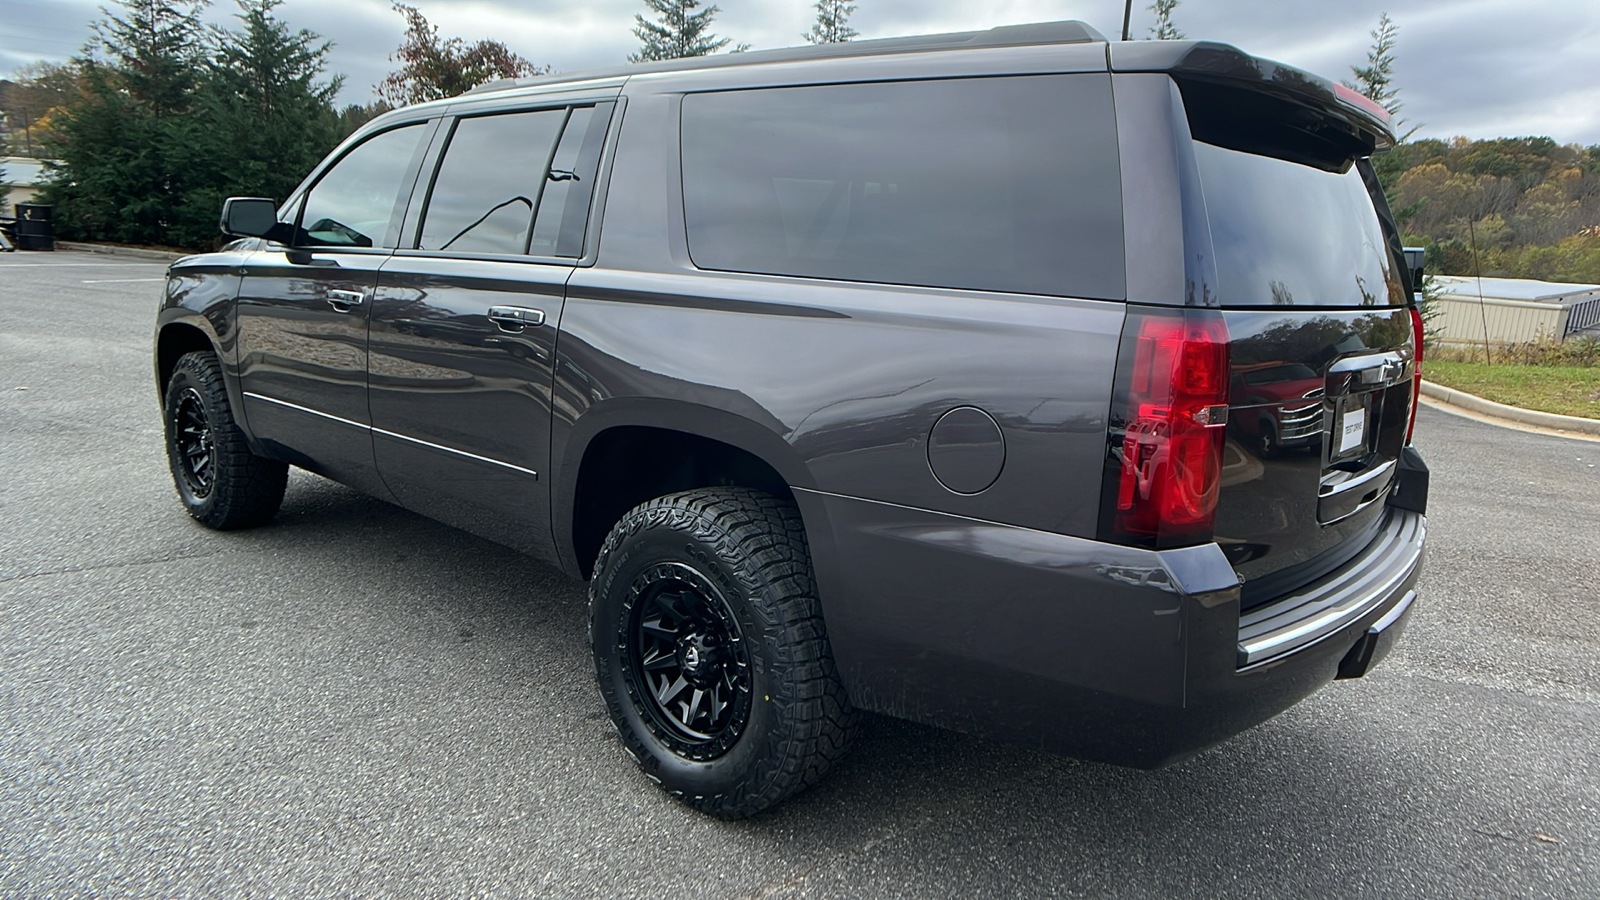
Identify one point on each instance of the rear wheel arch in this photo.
(627, 462)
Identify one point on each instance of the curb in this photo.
(1453, 397)
(114, 250)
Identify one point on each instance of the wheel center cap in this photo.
(698, 656)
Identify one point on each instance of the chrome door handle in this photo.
(513, 319)
(344, 301)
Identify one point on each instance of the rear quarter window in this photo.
(1001, 184)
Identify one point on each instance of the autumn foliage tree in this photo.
(432, 68)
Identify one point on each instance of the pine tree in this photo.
(680, 32)
(127, 146)
(832, 23)
(1164, 30)
(1375, 80)
(171, 117)
(431, 68)
(271, 115)
(157, 51)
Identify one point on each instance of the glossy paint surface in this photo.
(199, 300)
(461, 404)
(1268, 515)
(958, 568)
(303, 357)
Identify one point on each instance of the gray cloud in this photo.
(1480, 68)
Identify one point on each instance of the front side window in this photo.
(489, 182)
(1002, 184)
(353, 203)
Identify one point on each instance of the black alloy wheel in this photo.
(710, 651)
(220, 481)
(195, 452)
(687, 661)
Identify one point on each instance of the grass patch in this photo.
(1568, 390)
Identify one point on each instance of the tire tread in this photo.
(248, 489)
(762, 539)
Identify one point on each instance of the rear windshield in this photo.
(1286, 234)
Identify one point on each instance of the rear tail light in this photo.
(1416, 379)
(1167, 427)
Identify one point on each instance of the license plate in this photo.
(1352, 430)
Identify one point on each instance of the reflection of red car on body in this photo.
(1285, 408)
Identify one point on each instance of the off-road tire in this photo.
(221, 483)
(750, 550)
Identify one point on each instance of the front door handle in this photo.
(344, 301)
(513, 319)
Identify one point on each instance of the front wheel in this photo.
(1267, 446)
(220, 481)
(710, 650)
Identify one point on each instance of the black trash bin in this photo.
(34, 229)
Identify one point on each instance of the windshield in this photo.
(1286, 234)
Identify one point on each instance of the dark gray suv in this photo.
(1014, 381)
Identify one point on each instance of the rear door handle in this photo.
(344, 301)
(513, 319)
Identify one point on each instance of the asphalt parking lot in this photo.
(357, 702)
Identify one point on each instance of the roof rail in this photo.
(1066, 32)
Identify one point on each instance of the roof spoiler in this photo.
(1224, 65)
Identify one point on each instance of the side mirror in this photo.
(248, 216)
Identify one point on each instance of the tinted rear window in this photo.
(1005, 184)
(488, 184)
(1286, 234)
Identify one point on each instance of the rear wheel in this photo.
(221, 482)
(710, 650)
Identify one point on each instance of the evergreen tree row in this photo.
(171, 116)
(162, 116)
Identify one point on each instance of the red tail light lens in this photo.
(1176, 377)
(1416, 380)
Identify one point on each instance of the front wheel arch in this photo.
(175, 340)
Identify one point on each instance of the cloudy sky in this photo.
(1480, 68)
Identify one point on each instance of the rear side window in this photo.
(1002, 184)
(1287, 234)
(488, 184)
